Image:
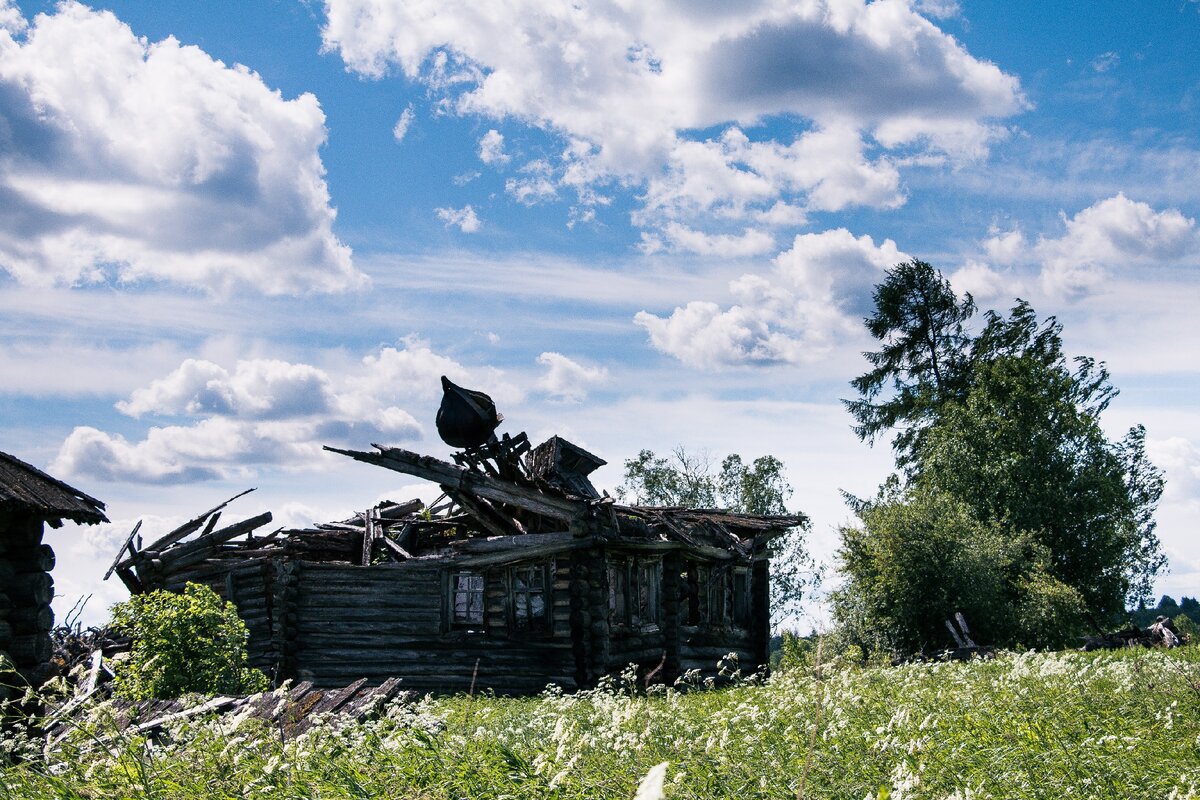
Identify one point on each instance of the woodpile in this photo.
(1161, 633)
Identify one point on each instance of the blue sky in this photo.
(232, 232)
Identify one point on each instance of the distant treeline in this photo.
(1143, 615)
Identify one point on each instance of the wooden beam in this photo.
(192, 525)
(121, 552)
(465, 480)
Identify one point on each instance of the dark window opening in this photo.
(741, 598)
(633, 592)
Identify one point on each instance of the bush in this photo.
(190, 642)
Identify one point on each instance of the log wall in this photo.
(26, 590)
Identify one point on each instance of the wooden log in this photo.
(121, 552)
(29, 649)
(182, 554)
(464, 480)
(192, 525)
(31, 589)
(31, 619)
(37, 559)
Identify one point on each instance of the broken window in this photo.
(633, 591)
(528, 584)
(466, 600)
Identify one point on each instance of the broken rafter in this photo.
(124, 547)
(470, 482)
(192, 525)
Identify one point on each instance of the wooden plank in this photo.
(121, 552)
(465, 480)
(192, 525)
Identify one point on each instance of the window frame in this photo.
(467, 621)
(531, 573)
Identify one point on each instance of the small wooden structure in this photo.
(524, 575)
(30, 499)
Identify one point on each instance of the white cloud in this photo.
(810, 301)
(463, 218)
(568, 380)
(939, 9)
(985, 284)
(626, 86)
(1116, 235)
(10, 18)
(535, 185)
(1106, 61)
(135, 161)
(491, 148)
(268, 411)
(1006, 247)
(400, 130)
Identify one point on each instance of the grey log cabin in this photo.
(523, 575)
(29, 500)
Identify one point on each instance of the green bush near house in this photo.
(183, 643)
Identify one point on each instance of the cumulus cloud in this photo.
(984, 283)
(491, 148)
(629, 87)
(814, 295)
(226, 421)
(127, 160)
(1116, 235)
(463, 218)
(568, 380)
(400, 129)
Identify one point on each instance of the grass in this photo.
(1062, 725)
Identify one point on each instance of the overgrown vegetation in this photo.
(1011, 505)
(1035, 725)
(182, 643)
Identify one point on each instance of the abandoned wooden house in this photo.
(30, 499)
(522, 576)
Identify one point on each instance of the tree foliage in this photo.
(922, 361)
(691, 480)
(181, 643)
(999, 433)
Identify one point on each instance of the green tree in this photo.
(189, 642)
(922, 362)
(1010, 431)
(689, 480)
(1024, 448)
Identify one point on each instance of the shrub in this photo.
(189, 642)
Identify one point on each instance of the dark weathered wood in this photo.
(37, 559)
(210, 542)
(125, 546)
(31, 619)
(192, 525)
(31, 588)
(462, 479)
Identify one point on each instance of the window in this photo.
(466, 600)
(648, 581)
(633, 591)
(528, 587)
(618, 592)
(695, 583)
(717, 589)
(741, 597)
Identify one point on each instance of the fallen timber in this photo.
(522, 574)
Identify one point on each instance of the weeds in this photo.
(1109, 725)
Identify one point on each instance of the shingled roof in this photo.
(24, 487)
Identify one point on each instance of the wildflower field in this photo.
(1033, 725)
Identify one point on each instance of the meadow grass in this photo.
(1033, 725)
